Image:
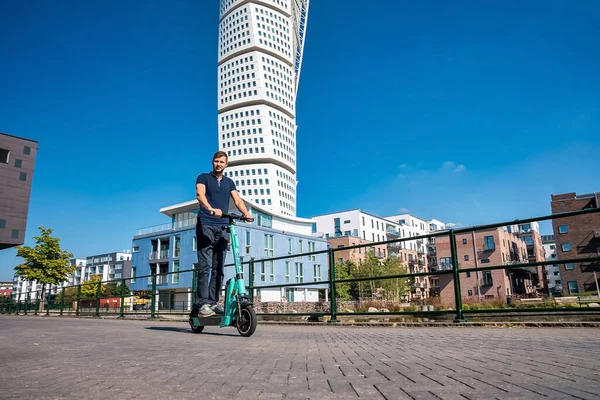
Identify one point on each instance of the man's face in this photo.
(219, 164)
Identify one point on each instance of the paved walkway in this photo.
(67, 358)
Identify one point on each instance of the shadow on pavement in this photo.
(187, 330)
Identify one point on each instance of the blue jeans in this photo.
(212, 247)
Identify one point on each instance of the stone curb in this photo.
(495, 324)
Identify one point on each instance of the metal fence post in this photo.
(251, 278)
(77, 312)
(98, 292)
(456, 277)
(122, 311)
(62, 301)
(153, 302)
(332, 292)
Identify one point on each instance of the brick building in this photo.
(577, 237)
(17, 162)
(355, 255)
(480, 249)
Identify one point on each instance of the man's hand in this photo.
(218, 212)
(248, 218)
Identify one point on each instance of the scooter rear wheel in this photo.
(246, 325)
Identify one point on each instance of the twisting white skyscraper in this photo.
(260, 54)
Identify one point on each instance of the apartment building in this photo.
(485, 248)
(355, 255)
(553, 278)
(530, 233)
(79, 264)
(172, 247)
(367, 227)
(17, 163)
(110, 266)
(23, 290)
(577, 237)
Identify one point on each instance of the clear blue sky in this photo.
(468, 112)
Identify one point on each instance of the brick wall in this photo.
(580, 237)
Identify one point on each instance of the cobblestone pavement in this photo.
(64, 358)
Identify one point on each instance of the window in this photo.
(195, 244)
(289, 246)
(27, 150)
(489, 243)
(269, 249)
(177, 247)
(468, 274)
(317, 273)
(14, 234)
(300, 247)
(466, 257)
(487, 278)
(464, 241)
(470, 292)
(176, 270)
(287, 272)
(271, 271)
(23, 176)
(262, 272)
(566, 247)
(2, 223)
(563, 229)
(573, 287)
(299, 272)
(247, 242)
(569, 266)
(4, 156)
(133, 274)
(311, 248)
(135, 249)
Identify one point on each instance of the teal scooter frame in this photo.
(238, 309)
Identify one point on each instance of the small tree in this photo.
(90, 288)
(114, 289)
(344, 271)
(45, 263)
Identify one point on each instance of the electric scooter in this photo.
(238, 309)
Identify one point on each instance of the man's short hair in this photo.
(220, 154)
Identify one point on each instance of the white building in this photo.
(552, 270)
(79, 264)
(260, 55)
(367, 226)
(110, 266)
(22, 289)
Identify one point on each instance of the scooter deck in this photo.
(213, 320)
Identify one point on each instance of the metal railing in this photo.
(153, 304)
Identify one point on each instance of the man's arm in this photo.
(201, 197)
(239, 203)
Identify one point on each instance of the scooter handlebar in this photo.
(234, 216)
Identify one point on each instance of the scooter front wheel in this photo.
(246, 324)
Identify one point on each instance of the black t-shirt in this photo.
(218, 193)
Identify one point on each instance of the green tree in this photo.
(393, 289)
(90, 288)
(114, 289)
(70, 295)
(45, 263)
(344, 271)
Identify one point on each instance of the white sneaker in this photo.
(205, 311)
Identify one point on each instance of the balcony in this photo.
(392, 232)
(159, 255)
(161, 279)
(445, 267)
